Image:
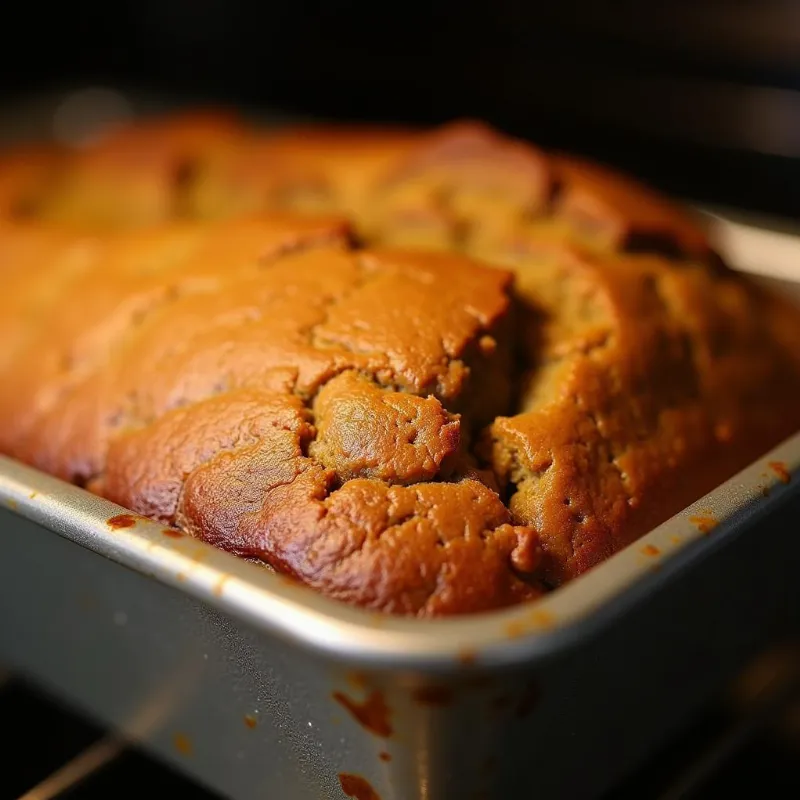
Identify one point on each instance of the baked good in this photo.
(498, 370)
(274, 391)
(463, 186)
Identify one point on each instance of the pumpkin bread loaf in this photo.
(423, 372)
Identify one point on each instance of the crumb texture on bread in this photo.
(426, 373)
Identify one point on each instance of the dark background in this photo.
(702, 97)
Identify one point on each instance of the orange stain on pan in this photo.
(250, 721)
(358, 680)
(372, 712)
(704, 523)
(384, 756)
(121, 521)
(357, 787)
(651, 550)
(542, 619)
(781, 470)
(183, 744)
(467, 657)
(173, 533)
(537, 620)
(433, 695)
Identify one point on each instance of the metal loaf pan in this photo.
(259, 688)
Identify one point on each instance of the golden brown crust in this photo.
(180, 371)
(306, 169)
(356, 418)
(463, 186)
(133, 176)
(617, 213)
(429, 549)
(645, 402)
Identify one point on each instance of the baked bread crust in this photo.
(274, 391)
(413, 431)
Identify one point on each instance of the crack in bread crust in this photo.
(404, 429)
